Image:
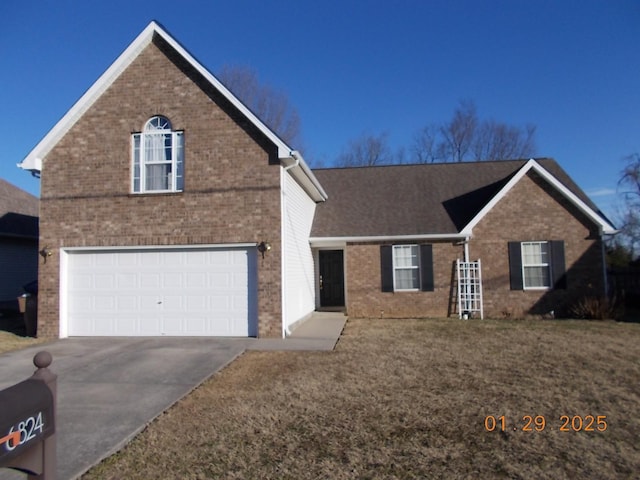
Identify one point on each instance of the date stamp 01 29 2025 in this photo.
(537, 423)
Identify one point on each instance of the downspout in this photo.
(285, 325)
(604, 265)
(465, 260)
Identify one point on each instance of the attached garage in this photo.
(180, 291)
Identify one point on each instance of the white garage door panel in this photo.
(181, 292)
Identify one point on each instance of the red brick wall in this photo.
(531, 211)
(366, 299)
(534, 211)
(231, 184)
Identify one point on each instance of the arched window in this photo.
(158, 158)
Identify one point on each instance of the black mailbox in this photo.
(26, 417)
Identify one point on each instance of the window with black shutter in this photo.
(537, 265)
(406, 268)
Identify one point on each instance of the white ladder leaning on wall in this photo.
(469, 288)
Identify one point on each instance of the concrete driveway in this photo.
(109, 389)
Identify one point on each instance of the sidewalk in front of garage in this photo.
(110, 389)
(320, 332)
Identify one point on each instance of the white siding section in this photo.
(298, 273)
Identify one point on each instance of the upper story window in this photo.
(158, 158)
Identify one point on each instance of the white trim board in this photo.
(198, 246)
(33, 161)
(605, 227)
(342, 241)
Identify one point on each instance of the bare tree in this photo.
(460, 131)
(270, 105)
(499, 141)
(630, 216)
(427, 146)
(466, 137)
(366, 151)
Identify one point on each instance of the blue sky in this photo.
(572, 68)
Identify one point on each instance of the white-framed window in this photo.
(158, 158)
(536, 265)
(406, 267)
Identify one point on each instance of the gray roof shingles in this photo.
(437, 198)
(18, 212)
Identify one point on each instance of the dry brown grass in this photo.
(407, 399)
(10, 341)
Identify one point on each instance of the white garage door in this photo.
(173, 292)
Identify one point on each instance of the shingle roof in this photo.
(18, 212)
(438, 198)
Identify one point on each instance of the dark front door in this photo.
(331, 278)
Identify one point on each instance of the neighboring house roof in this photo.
(18, 212)
(428, 200)
(33, 161)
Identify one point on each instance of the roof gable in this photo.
(33, 161)
(595, 215)
(429, 200)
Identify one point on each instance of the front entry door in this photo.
(331, 278)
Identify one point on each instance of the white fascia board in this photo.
(33, 161)
(31, 164)
(605, 227)
(333, 241)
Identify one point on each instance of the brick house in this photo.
(401, 230)
(169, 208)
(18, 241)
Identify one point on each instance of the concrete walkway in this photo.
(320, 332)
(110, 389)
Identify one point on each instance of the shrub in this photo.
(597, 308)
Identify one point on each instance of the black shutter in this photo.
(515, 265)
(386, 267)
(426, 268)
(558, 269)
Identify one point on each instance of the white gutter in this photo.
(305, 177)
(294, 164)
(322, 241)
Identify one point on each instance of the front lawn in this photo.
(410, 399)
(10, 341)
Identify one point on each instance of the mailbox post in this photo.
(27, 423)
